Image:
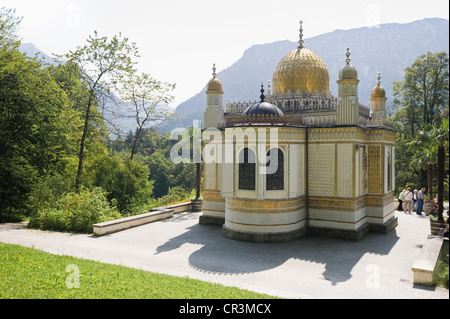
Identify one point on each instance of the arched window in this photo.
(247, 170)
(275, 181)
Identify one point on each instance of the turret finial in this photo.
(262, 97)
(214, 70)
(379, 79)
(348, 56)
(301, 34)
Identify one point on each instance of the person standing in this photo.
(400, 200)
(414, 201)
(407, 200)
(420, 199)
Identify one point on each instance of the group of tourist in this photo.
(412, 200)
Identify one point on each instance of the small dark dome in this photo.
(263, 108)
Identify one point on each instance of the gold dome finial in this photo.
(214, 85)
(348, 56)
(348, 71)
(301, 34)
(214, 70)
(378, 91)
(268, 87)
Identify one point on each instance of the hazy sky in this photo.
(179, 40)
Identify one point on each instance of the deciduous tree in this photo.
(421, 103)
(101, 62)
(148, 99)
(31, 128)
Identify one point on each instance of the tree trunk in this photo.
(82, 146)
(133, 148)
(440, 185)
(430, 180)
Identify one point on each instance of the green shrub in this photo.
(48, 191)
(53, 219)
(176, 194)
(441, 274)
(76, 212)
(125, 181)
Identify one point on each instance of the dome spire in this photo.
(214, 70)
(348, 71)
(214, 85)
(348, 56)
(301, 35)
(262, 96)
(378, 91)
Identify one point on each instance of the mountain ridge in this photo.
(30, 50)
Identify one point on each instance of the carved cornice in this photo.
(380, 200)
(380, 136)
(350, 204)
(315, 202)
(340, 204)
(265, 206)
(213, 196)
(332, 134)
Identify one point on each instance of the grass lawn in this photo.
(27, 273)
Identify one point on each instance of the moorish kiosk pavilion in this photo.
(300, 161)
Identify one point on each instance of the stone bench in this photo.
(179, 208)
(424, 266)
(132, 221)
(155, 214)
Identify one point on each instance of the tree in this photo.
(9, 24)
(443, 144)
(149, 99)
(125, 181)
(424, 91)
(31, 128)
(433, 142)
(67, 76)
(161, 172)
(419, 101)
(101, 62)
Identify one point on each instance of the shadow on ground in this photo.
(220, 255)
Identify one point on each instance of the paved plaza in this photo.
(378, 266)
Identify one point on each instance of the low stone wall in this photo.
(425, 264)
(179, 208)
(155, 214)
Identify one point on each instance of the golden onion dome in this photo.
(378, 91)
(348, 71)
(301, 69)
(214, 85)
